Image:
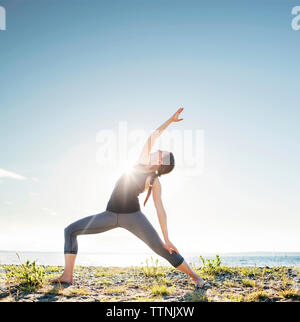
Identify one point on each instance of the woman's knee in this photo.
(69, 231)
(175, 259)
(160, 250)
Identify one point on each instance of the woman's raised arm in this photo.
(144, 156)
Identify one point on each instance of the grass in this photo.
(236, 298)
(231, 297)
(54, 269)
(105, 271)
(230, 284)
(248, 282)
(290, 293)
(161, 289)
(115, 290)
(29, 276)
(250, 271)
(286, 281)
(106, 282)
(256, 296)
(68, 292)
(211, 266)
(152, 270)
(152, 282)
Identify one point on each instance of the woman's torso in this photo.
(124, 198)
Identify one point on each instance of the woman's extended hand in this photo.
(169, 247)
(175, 116)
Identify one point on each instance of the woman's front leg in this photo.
(185, 268)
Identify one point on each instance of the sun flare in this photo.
(126, 169)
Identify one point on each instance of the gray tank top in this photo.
(124, 198)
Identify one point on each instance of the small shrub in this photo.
(248, 283)
(73, 292)
(290, 293)
(256, 296)
(236, 298)
(232, 297)
(249, 271)
(286, 281)
(115, 290)
(106, 282)
(29, 276)
(153, 270)
(211, 266)
(161, 289)
(52, 269)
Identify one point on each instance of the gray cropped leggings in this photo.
(135, 222)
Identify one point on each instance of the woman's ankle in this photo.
(198, 278)
(67, 275)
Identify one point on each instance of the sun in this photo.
(126, 168)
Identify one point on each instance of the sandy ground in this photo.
(133, 284)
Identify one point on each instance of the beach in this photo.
(150, 283)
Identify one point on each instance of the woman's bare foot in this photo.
(62, 279)
(200, 283)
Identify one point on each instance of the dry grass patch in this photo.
(161, 289)
(115, 290)
(256, 296)
(248, 282)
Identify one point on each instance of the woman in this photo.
(123, 210)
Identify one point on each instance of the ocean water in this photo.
(138, 259)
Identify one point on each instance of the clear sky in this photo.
(72, 68)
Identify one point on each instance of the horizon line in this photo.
(150, 253)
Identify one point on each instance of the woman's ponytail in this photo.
(157, 174)
(162, 169)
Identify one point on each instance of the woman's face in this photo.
(159, 157)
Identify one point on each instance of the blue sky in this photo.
(72, 68)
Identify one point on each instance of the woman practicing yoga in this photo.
(123, 210)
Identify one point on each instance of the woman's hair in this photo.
(162, 169)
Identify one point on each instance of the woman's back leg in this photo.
(138, 224)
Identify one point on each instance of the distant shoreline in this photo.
(260, 253)
(259, 259)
